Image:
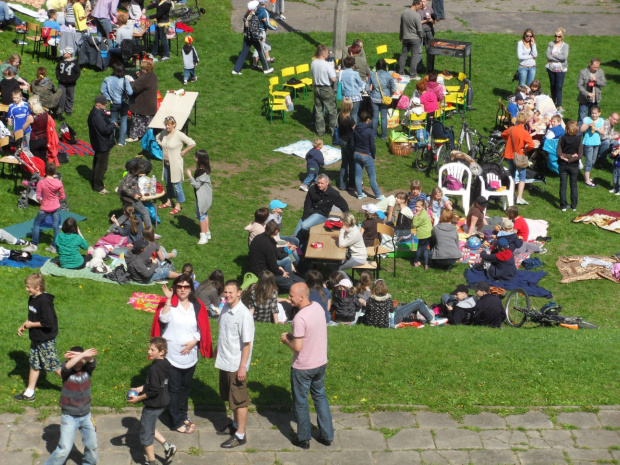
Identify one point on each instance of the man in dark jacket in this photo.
(101, 133)
(501, 261)
(320, 199)
(67, 72)
(364, 152)
(264, 256)
(489, 310)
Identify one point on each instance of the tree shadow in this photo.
(85, 171)
(613, 77)
(301, 34)
(303, 116)
(22, 369)
(131, 439)
(274, 404)
(51, 437)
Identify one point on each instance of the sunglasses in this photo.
(558, 36)
(183, 286)
(528, 37)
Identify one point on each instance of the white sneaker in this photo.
(236, 73)
(303, 187)
(522, 202)
(268, 71)
(51, 249)
(612, 191)
(203, 239)
(618, 193)
(30, 248)
(438, 321)
(281, 17)
(208, 233)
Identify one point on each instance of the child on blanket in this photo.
(500, 262)
(145, 268)
(130, 227)
(515, 243)
(148, 235)
(69, 242)
(520, 225)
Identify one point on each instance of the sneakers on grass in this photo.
(23, 396)
(438, 321)
(30, 248)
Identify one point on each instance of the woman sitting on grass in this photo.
(263, 299)
(318, 292)
(379, 306)
(445, 241)
(69, 243)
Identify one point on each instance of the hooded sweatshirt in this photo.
(446, 242)
(41, 310)
(378, 310)
(156, 385)
(190, 57)
(364, 139)
(503, 264)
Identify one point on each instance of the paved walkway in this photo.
(383, 438)
(578, 17)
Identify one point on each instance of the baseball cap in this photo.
(101, 99)
(502, 243)
(139, 245)
(252, 5)
(276, 204)
(507, 224)
(346, 282)
(461, 288)
(416, 101)
(482, 201)
(189, 40)
(483, 286)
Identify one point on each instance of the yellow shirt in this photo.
(78, 11)
(58, 5)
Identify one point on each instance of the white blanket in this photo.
(301, 148)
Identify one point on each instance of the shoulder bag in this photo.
(520, 160)
(386, 100)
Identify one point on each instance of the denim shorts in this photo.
(518, 174)
(200, 217)
(148, 420)
(44, 356)
(160, 273)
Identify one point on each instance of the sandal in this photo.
(165, 205)
(186, 429)
(174, 211)
(189, 424)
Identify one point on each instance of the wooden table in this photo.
(154, 198)
(330, 250)
(179, 106)
(14, 165)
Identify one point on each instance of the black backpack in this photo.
(252, 27)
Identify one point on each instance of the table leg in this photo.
(156, 214)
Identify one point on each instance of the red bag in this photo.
(331, 225)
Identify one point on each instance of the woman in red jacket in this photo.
(518, 140)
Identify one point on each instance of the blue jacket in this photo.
(112, 88)
(503, 266)
(352, 83)
(388, 86)
(314, 159)
(364, 139)
(615, 158)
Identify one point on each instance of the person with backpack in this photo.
(252, 34)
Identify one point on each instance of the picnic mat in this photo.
(24, 229)
(52, 269)
(301, 148)
(607, 220)
(526, 280)
(37, 262)
(145, 302)
(571, 270)
(472, 257)
(27, 11)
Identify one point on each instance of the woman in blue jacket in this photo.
(364, 155)
(382, 85)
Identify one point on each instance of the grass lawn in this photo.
(445, 368)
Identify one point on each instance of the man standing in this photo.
(101, 133)
(233, 355)
(589, 84)
(427, 16)
(308, 341)
(609, 134)
(104, 13)
(323, 76)
(411, 34)
(320, 199)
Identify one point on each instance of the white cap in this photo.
(370, 208)
(416, 101)
(252, 5)
(346, 282)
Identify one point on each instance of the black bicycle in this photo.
(518, 311)
(187, 14)
(483, 149)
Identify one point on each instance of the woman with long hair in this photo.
(557, 66)
(264, 298)
(318, 292)
(346, 124)
(38, 122)
(527, 53)
(201, 182)
(383, 85)
(351, 238)
(184, 323)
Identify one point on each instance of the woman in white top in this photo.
(557, 66)
(185, 326)
(351, 238)
(526, 52)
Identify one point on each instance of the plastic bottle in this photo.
(153, 185)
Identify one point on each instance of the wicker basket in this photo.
(401, 149)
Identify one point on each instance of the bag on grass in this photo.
(19, 256)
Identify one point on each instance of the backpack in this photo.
(452, 183)
(19, 256)
(252, 27)
(67, 133)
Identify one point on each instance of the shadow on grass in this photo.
(304, 116)
(612, 63)
(207, 404)
(242, 262)
(301, 34)
(186, 224)
(613, 77)
(273, 404)
(503, 93)
(131, 439)
(51, 437)
(22, 368)
(85, 171)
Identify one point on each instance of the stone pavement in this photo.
(578, 17)
(390, 437)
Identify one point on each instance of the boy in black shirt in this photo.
(155, 398)
(42, 326)
(489, 310)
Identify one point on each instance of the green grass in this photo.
(454, 369)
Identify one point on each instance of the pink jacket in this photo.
(50, 192)
(437, 89)
(429, 100)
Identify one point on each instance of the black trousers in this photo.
(100, 166)
(38, 147)
(568, 172)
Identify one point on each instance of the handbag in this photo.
(515, 77)
(125, 97)
(386, 100)
(520, 160)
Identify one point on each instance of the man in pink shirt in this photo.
(308, 341)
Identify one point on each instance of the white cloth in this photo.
(181, 328)
(236, 329)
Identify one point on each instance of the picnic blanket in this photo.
(24, 229)
(145, 302)
(301, 148)
(37, 262)
(526, 280)
(571, 270)
(114, 244)
(52, 269)
(472, 257)
(607, 220)
(40, 15)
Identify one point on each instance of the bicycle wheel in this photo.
(496, 155)
(179, 11)
(423, 158)
(569, 320)
(517, 302)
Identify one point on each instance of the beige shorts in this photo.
(233, 390)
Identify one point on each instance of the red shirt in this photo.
(521, 228)
(522, 141)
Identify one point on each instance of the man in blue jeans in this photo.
(308, 341)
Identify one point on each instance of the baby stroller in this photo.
(36, 167)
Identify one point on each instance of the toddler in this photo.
(190, 60)
(314, 159)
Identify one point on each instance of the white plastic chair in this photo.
(458, 171)
(507, 194)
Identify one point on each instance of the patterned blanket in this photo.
(607, 220)
(52, 269)
(571, 270)
(145, 302)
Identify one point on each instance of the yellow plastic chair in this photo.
(273, 82)
(288, 73)
(382, 49)
(300, 71)
(416, 122)
(276, 104)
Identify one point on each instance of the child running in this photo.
(75, 406)
(155, 398)
(50, 192)
(42, 326)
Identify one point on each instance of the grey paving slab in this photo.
(259, 458)
(589, 455)
(113, 458)
(542, 457)
(23, 440)
(579, 419)
(609, 418)
(361, 440)
(485, 421)
(356, 457)
(5, 432)
(457, 439)
(530, 420)
(435, 420)
(392, 420)
(551, 439)
(493, 457)
(411, 439)
(503, 439)
(236, 458)
(397, 458)
(597, 439)
(448, 457)
(18, 457)
(347, 421)
(301, 458)
(616, 455)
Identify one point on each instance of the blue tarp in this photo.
(526, 280)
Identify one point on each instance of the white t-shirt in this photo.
(181, 328)
(236, 329)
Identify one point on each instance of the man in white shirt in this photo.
(233, 355)
(308, 341)
(323, 76)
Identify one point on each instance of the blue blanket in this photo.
(37, 262)
(24, 229)
(526, 280)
